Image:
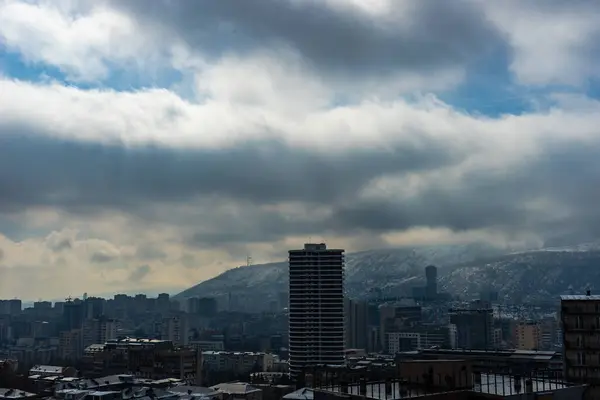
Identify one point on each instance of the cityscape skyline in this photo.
(141, 148)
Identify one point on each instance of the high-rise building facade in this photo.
(316, 307)
(580, 318)
(431, 286)
(474, 328)
(356, 314)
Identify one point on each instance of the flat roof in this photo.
(9, 393)
(578, 297)
(494, 384)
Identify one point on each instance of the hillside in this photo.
(463, 270)
(389, 270)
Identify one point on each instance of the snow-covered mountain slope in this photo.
(388, 270)
(539, 275)
(464, 270)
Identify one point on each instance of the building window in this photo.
(581, 358)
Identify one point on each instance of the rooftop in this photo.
(579, 297)
(235, 387)
(494, 384)
(52, 369)
(193, 390)
(14, 394)
(300, 394)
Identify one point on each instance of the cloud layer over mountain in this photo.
(150, 145)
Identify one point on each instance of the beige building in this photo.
(528, 335)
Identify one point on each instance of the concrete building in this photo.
(176, 330)
(207, 345)
(431, 285)
(147, 358)
(238, 362)
(70, 344)
(356, 313)
(316, 309)
(99, 330)
(397, 316)
(474, 327)
(580, 317)
(528, 335)
(238, 391)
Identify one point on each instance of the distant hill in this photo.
(391, 271)
(463, 270)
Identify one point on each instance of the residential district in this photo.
(315, 343)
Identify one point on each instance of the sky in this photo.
(149, 145)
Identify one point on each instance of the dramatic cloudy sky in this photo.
(148, 145)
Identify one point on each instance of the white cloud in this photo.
(552, 42)
(103, 232)
(84, 42)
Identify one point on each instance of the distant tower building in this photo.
(431, 286)
(316, 308)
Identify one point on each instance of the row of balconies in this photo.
(582, 327)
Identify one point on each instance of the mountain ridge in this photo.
(463, 270)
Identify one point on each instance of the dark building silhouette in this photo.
(431, 286)
(73, 315)
(474, 327)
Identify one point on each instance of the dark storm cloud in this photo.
(257, 226)
(82, 177)
(564, 175)
(64, 244)
(437, 34)
(101, 258)
(147, 252)
(139, 273)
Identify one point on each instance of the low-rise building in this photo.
(238, 362)
(238, 391)
(43, 371)
(13, 394)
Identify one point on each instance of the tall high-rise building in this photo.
(431, 286)
(316, 308)
(73, 315)
(357, 324)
